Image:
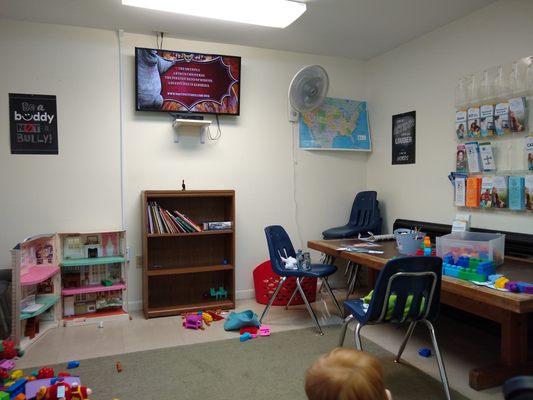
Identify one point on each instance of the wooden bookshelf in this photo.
(179, 269)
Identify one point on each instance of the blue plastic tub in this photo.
(408, 241)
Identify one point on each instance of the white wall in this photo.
(421, 75)
(80, 188)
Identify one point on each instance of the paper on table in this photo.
(359, 245)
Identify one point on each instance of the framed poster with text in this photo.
(404, 138)
(33, 124)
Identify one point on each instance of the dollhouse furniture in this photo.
(93, 275)
(36, 289)
(179, 268)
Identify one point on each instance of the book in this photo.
(473, 122)
(487, 157)
(472, 152)
(499, 193)
(486, 120)
(528, 191)
(517, 114)
(473, 187)
(217, 226)
(501, 118)
(460, 124)
(461, 160)
(485, 197)
(529, 152)
(516, 193)
(460, 191)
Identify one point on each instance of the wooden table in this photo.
(510, 310)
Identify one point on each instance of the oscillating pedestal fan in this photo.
(307, 90)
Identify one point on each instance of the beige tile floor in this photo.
(463, 347)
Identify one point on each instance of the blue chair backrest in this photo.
(279, 244)
(364, 208)
(418, 277)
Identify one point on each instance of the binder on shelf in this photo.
(473, 187)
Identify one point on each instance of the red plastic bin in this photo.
(266, 281)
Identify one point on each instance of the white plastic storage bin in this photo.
(473, 244)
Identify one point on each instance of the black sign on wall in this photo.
(403, 138)
(33, 124)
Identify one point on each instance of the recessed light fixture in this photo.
(272, 13)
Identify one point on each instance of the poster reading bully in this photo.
(33, 124)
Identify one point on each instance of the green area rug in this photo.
(264, 368)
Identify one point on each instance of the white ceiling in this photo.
(357, 29)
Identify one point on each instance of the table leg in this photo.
(513, 356)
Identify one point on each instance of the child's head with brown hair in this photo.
(345, 374)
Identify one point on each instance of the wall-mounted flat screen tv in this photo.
(184, 82)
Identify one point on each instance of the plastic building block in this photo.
(4, 396)
(215, 316)
(63, 374)
(264, 330)
(245, 336)
(20, 396)
(118, 366)
(45, 373)
(16, 388)
(17, 374)
(73, 364)
(7, 365)
(207, 318)
(424, 352)
(193, 321)
(500, 282)
(492, 278)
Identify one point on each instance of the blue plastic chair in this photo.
(364, 217)
(279, 245)
(417, 278)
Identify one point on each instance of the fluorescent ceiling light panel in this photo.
(273, 13)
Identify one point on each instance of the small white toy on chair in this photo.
(290, 262)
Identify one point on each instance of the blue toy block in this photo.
(245, 336)
(16, 388)
(424, 352)
(493, 278)
(449, 260)
(463, 261)
(73, 364)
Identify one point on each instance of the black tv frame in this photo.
(184, 111)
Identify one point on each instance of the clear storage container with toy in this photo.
(485, 246)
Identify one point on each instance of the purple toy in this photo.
(193, 321)
(8, 365)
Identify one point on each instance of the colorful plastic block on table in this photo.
(193, 321)
(7, 365)
(4, 396)
(467, 268)
(519, 287)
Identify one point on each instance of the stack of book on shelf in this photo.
(161, 221)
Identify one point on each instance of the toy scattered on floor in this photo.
(118, 366)
(252, 330)
(468, 268)
(17, 374)
(7, 365)
(193, 321)
(216, 316)
(37, 388)
(424, 352)
(245, 336)
(101, 324)
(73, 364)
(45, 373)
(236, 321)
(8, 350)
(64, 390)
(221, 293)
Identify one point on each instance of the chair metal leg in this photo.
(440, 363)
(265, 311)
(293, 295)
(353, 280)
(341, 314)
(309, 308)
(405, 340)
(358, 344)
(344, 328)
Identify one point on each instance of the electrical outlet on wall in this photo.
(139, 261)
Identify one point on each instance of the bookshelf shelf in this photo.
(80, 262)
(189, 270)
(179, 269)
(47, 301)
(202, 233)
(93, 289)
